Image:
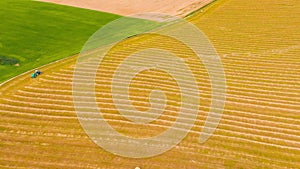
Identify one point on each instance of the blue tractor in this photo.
(36, 73)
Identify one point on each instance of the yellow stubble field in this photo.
(258, 42)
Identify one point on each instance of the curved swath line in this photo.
(281, 106)
(220, 129)
(256, 91)
(65, 117)
(242, 82)
(66, 81)
(275, 108)
(236, 65)
(243, 73)
(236, 73)
(234, 96)
(232, 78)
(217, 135)
(287, 94)
(230, 97)
(257, 114)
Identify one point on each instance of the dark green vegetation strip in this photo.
(8, 61)
(36, 33)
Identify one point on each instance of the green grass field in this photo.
(35, 33)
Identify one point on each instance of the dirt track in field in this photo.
(130, 7)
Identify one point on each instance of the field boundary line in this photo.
(48, 64)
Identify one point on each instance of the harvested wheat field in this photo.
(130, 7)
(258, 42)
